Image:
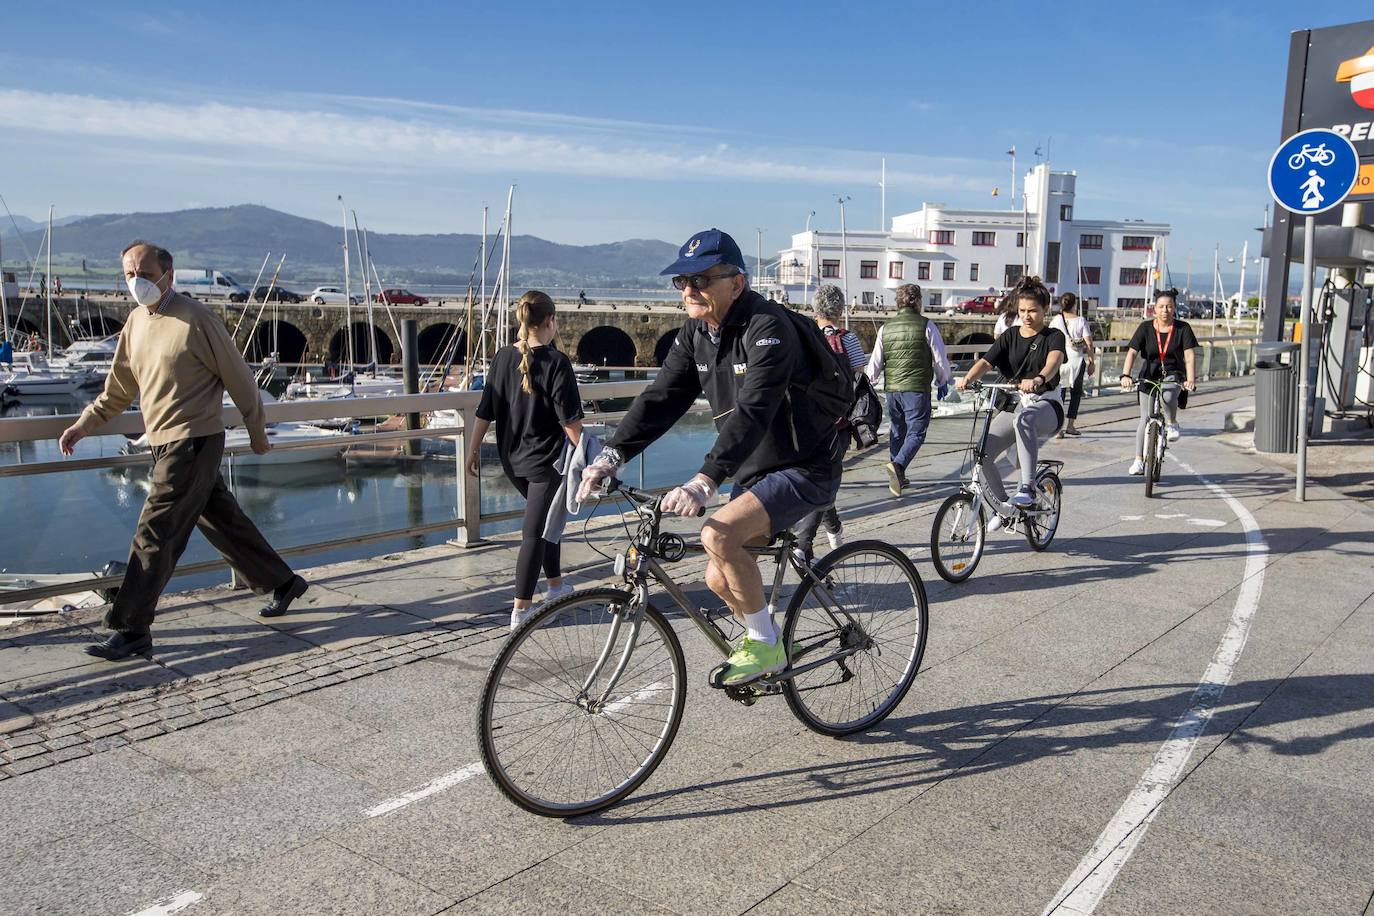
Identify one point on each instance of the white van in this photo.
(205, 283)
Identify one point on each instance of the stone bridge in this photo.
(601, 334)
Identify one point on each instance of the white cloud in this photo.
(443, 142)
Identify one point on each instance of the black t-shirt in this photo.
(1019, 358)
(1146, 340)
(529, 427)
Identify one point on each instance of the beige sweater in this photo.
(178, 360)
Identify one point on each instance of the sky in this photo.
(625, 120)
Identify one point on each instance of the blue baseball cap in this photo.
(703, 251)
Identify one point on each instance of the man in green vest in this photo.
(909, 355)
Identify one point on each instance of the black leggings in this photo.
(1074, 394)
(534, 550)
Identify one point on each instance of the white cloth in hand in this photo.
(595, 476)
(690, 499)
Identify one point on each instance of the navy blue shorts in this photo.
(790, 495)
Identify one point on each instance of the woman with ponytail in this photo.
(531, 395)
(1028, 355)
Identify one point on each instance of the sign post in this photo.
(1311, 172)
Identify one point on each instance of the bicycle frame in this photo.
(640, 564)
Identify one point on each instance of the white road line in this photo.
(433, 787)
(174, 904)
(1207, 522)
(463, 774)
(1094, 876)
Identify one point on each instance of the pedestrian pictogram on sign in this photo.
(1313, 171)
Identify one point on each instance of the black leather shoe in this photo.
(120, 646)
(282, 597)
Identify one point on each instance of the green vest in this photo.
(907, 361)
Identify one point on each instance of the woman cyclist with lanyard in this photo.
(1169, 351)
(1028, 355)
(531, 394)
(1078, 361)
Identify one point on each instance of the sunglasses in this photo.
(700, 281)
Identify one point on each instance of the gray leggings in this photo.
(1169, 394)
(1026, 429)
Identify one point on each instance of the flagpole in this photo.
(1012, 153)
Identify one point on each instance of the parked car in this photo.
(400, 297)
(269, 294)
(323, 294)
(980, 305)
(204, 283)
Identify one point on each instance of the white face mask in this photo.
(145, 292)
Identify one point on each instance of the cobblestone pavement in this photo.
(326, 762)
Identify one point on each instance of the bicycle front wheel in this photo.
(1043, 521)
(956, 537)
(872, 601)
(1151, 458)
(550, 740)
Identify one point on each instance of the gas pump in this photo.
(1348, 341)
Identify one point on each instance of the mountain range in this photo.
(235, 239)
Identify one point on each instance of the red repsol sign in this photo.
(1338, 88)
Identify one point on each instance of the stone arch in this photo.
(974, 338)
(665, 343)
(606, 346)
(338, 344)
(26, 326)
(290, 342)
(436, 341)
(100, 326)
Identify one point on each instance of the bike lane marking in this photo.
(174, 904)
(463, 774)
(1089, 883)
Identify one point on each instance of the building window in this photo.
(1066, 212)
(867, 298)
(922, 270)
(1089, 304)
(830, 268)
(949, 270)
(1137, 242)
(972, 272)
(1020, 240)
(1130, 303)
(1013, 274)
(1090, 241)
(934, 300)
(868, 270)
(942, 237)
(1090, 276)
(985, 238)
(1052, 263)
(894, 270)
(1132, 276)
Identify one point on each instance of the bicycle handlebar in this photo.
(648, 502)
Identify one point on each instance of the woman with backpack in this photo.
(531, 394)
(828, 305)
(1078, 364)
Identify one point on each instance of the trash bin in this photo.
(1276, 397)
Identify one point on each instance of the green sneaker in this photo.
(752, 660)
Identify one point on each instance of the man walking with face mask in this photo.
(178, 358)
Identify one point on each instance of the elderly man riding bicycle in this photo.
(744, 354)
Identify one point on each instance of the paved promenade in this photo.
(1170, 711)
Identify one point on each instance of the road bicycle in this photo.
(959, 531)
(583, 701)
(1318, 154)
(1156, 431)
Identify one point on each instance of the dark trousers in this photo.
(807, 527)
(535, 552)
(1073, 395)
(908, 419)
(188, 492)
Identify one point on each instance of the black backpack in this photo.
(866, 416)
(831, 389)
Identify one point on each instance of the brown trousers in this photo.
(188, 492)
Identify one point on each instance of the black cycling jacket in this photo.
(755, 381)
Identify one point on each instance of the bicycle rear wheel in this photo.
(1151, 457)
(957, 536)
(885, 616)
(1040, 528)
(551, 743)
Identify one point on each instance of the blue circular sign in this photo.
(1312, 171)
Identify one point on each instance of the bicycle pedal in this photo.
(716, 676)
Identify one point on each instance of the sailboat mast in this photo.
(504, 328)
(47, 285)
(367, 294)
(348, 292)
(4, 300)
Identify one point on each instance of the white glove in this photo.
(594, 478)
(690, 499)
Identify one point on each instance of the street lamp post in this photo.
(810, 256)
(844, 257)
(758, 265)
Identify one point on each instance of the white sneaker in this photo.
(518, 617)
(1173, 432)
(835, 538)
(996, 523)
(553, 594)
(1024, 498)
(1137, 468)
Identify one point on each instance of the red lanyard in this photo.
(1163, 344)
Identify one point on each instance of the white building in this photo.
(957, 254)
